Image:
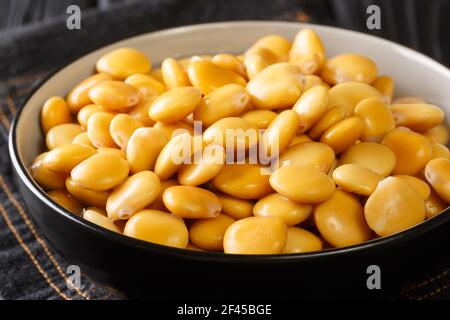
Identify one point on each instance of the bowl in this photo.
(145, 270)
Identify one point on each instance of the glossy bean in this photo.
(275, 205)
(255, 235)
(245, 181)
(78, 97)
(54, 112)
(191, 202)
(124, 62)
(207, 234)
(62, 134)
(102, 171)
(134, 194)
(437, 173)
(65, 200)
(356, 179)
(300, 240)
(340, 220)
(227, 101)
(411, 150)
(378, 119)
(144, 147)
(88, 197)
(374, 156)
(114, 95)
(393, 207)
(65, 157)
(122, 127)
(302, 184)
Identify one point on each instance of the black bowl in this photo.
(145, 270)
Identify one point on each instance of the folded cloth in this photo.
(29, 266)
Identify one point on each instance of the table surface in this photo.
(29, 267)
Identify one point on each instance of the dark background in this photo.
(423, 25)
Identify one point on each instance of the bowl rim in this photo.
(23, 174)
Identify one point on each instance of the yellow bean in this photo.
(45, 178)
(420, 186)
(175, 104)
(121, 129)
(62, 134)
(230, 62)
(99, 218)
(144, 147)
(394, 207)
(176, 152)
(437, 134)
(349, 67)
(208, 76)
(280, 133)
(408, 99)
(119, 152)
(311, 107)
(378, 119)
(207, 234)
(98, 129)
(114, 95)
(300, 240)
(311, 80)
(417, 117)
(411, 149)
(65, 200)
(148, 88)
(437, 173)
(201, 170)
(302, 184)
(102, 171)
(227, 101)
(245, 181)
(235, 207)
(299, 139)
(158, 227)
(275, 205)
(87, 111)
(140, 112)
(174, 128)
(260, 118)
(83, 139)
(65, 157)
(278, 44)
(343, 134)
(276, 87)
(356, 178)
(268, 55)
(192, 202)
(54, 112)
(309, 154)
(78, 97)
(124, 62)
(158, 203)
(385, 86)
(157, 75)
(243, 133)
(439, 151)
(134, 194)
(434, 205)
(329, 119)
(173, 74)
(255, 235)
(351, 93)
(340, 220)
(307, 51)
(374, 156)
(254, 64)
(86, 196)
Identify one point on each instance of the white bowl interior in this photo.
(414, 73)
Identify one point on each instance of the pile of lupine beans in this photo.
(353, 164)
